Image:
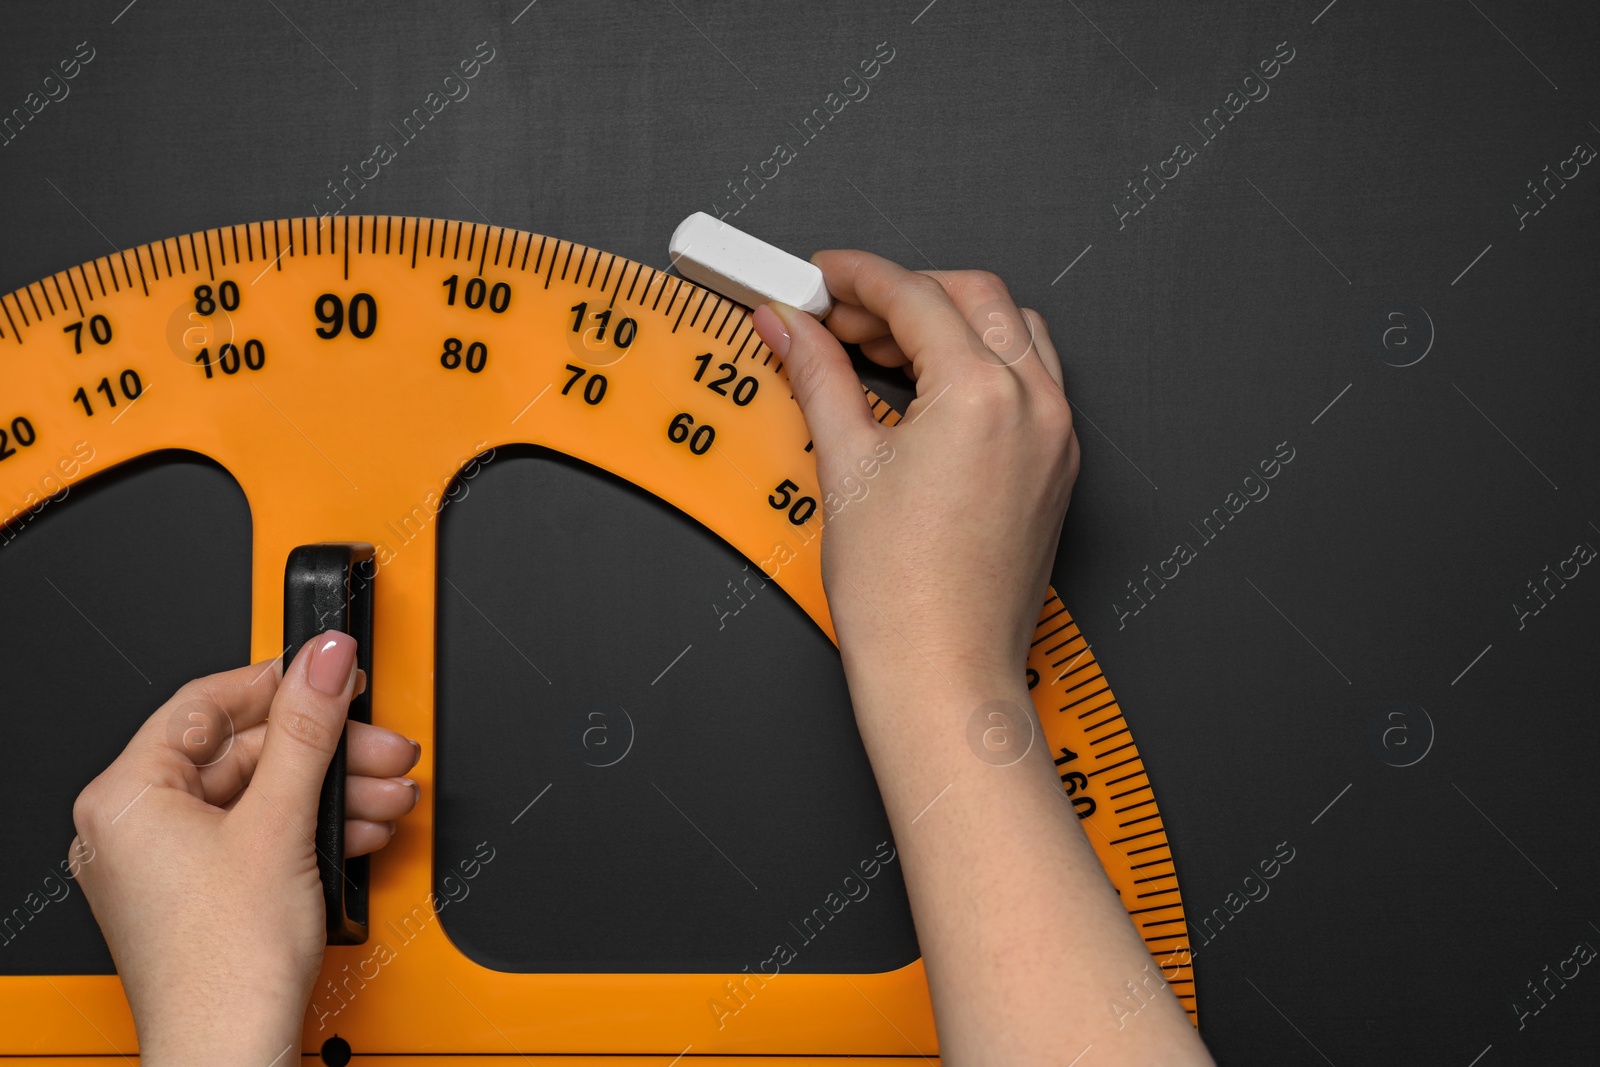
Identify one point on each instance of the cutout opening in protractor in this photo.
(111, 597)
(651, 743)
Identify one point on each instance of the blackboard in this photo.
(1358, 235)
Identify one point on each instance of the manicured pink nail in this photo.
(770, 327)
(333, 662)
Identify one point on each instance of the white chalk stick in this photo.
(744, 268)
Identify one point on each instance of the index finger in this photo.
(920, 313)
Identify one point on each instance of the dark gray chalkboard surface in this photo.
(1357, 238)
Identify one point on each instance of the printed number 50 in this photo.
(799, 511)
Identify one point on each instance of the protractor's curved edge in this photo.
(26, 307)
(1103, 774)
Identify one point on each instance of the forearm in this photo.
(1025, 941)
(934, 586)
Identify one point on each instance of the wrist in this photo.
(209, 1021)
(972, 752)
(902, 674)
(943, 722)
(267, 1042)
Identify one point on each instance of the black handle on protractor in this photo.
(329, 587)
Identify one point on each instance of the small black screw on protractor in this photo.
(336, 1052)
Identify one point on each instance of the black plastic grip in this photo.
(329, 587)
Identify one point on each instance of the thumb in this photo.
(303, 731)
(824, 383)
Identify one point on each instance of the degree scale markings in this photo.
(390, 409)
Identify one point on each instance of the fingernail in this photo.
(333, 662)
(391, 828)
(772, 331)
(416, 752)
(416, 790)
